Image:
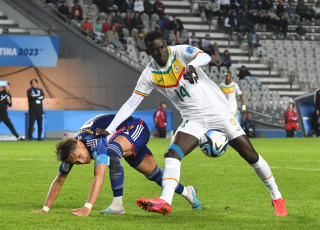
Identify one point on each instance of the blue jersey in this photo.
(97, 147)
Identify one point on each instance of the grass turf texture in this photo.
(233, 196)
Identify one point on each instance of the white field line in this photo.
(205, 165)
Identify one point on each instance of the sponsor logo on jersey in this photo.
(190, 49)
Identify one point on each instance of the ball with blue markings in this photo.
(214, 143)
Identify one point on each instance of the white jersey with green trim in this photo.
(231, 92)
(194, 101)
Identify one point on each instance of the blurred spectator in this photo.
(165, 24)
(35, 98)
(192, 39)
(290, 120)
(205, 45)
(128, 21)
(194, 44)
(176, 25)
(106, 26)
(317, 111)
(272, 20)
(64, 10)
(280, 8)
(76, 11)
(106, 5)
(254, 4)
(216, 59)
(244, 73)
(212, 8)
(140, 43)
(231, 24)
(113, 38)
(148, 7)
(243, 120)
(117, 20)
(216, 47)
(292, 11)
(253, 39)
(138, 6)
(140, 32)
(137, 21)
(87, 26)
(243, 22)
(160, 118)
(5, 101)
(267, 4)
(158, 8)
(97, 30)
(225, 6)
(283, 25)
(303, 11)
(316, 10)
(250, 126)
(126, 6)
(260, 18)
(251, 17)
(226, 59)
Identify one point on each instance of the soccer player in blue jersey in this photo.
(129, 141)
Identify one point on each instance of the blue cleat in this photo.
(192, 198)
(114, 209)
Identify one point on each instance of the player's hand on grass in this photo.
(81, 211)
(191, 74)
(101, 133)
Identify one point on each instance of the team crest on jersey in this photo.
(233, 121)
(176, 68)
(171, 77)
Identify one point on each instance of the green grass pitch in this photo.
(232, 195)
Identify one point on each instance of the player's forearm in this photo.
(95, 189)
(54, 190)
(201, 60)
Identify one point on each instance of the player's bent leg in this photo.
(189, 193)
(244, 147)
(116, 174)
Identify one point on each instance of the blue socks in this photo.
(156, 176)
(116, 172)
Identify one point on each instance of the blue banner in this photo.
(29, 50)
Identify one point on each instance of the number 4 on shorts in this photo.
(183, 93)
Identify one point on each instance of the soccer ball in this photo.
(214, 143)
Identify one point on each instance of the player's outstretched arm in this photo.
(99, 174)
(53, 192)
(125, 111)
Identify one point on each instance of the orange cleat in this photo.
(280, 208)
(154, 205)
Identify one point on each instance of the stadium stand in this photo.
(284, 65)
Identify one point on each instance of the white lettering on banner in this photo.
(8, 51)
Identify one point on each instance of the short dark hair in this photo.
(33, 80)
(151, 36)
(64, 147)
(162, 103)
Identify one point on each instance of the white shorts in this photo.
(228, 125)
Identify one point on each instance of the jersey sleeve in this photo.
(65, 168)
(238, 90)
(188, 53)
(100, 154)
(145, 83)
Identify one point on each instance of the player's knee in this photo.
(252, 157)
(172, 154)
(114, 150)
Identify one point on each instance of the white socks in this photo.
(263, 171)
(170, 178)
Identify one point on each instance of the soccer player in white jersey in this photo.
(176, 73)
(231, 90)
